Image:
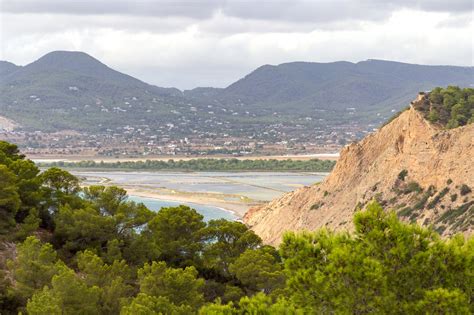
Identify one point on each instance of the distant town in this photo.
(145, 141)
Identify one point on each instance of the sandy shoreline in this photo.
(238, 208)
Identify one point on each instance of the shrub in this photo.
(465, 189)
(413, 187)
(451, 107)
(402, 174)
(438, 197)
(405, 212)
(450, 215)
(421, 203)
(317, 205)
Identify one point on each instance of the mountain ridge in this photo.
(56, 91)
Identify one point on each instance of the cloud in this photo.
(294, 10)
(158, 8)
(182, 44)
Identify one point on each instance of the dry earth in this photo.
(439, 161)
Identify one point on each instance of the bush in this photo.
(317, 205)
(402, 174)
(451, 107)
(405, 212)
(465, 189)
(451, 215)
(413, 187)
(438, 197)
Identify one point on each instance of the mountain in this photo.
(366, 85)
(7, 68)
(420, 169)
(72, 90)
(77, 65)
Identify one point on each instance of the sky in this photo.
(190, 43)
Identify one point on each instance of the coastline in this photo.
(237, 208)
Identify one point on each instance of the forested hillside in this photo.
(72, 250)
(72, 90)
(368, 87)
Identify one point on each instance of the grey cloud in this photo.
(189, 43)
(159, 8)
(288, 10)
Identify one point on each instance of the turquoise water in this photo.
(209, 212)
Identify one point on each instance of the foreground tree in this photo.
(34, 266)
(180, 286)
(68, 293)
(385, 267)
(112, 280)
(150, 305)
(9, 200)
(226, 242)
(176, 233)
(259, 270)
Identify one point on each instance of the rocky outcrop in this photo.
(418, 169)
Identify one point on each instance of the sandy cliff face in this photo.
(439, 167)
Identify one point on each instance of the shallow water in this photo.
(258, 186)
(263, 186)
(208, 212)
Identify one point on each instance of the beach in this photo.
(232, 191)
(239, 209)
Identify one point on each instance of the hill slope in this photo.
(367, 86)
(7, 68)
(421, 170)
(72, 90)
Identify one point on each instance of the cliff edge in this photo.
(420, 170)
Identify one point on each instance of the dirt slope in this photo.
(439, 167)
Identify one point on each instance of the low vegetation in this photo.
(420, 203)
(438, 198)
(312, 165)
(73, 250)
(451, 107)
(465, 189)
(402, 174)
(412, 187)
(317, 205)
(450, 215)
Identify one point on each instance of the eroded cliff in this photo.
(422, 171)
